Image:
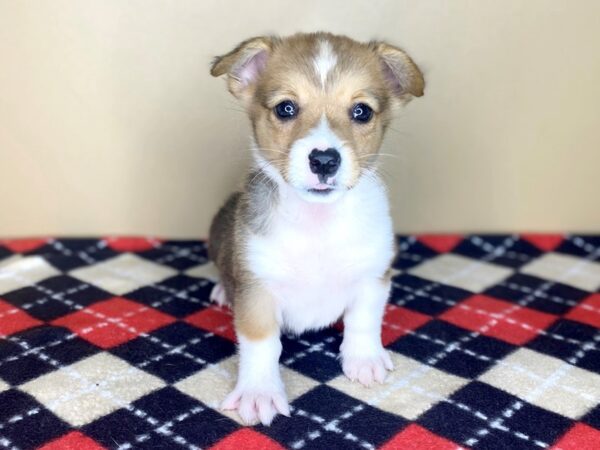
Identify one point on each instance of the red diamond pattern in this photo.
(415, 437)
(215, 319)
(398, 321)
(499, 319)
(73, 441)
(13, 319)
(580, 437)
(23, 245)
(441, 243)
(131, 244)
(247, 439)
(545, 242)
(587, 312)
(114, 321)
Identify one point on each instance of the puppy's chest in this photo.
(318, 250)
(313, 261)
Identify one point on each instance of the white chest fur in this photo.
(315, 254)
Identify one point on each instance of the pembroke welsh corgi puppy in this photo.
(309, 239)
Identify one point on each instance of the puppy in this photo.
(309, 239)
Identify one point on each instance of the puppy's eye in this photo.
(361, 113)
(286, 109)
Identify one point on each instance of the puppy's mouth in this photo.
(322, 189)
(322, 192)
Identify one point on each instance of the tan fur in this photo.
(255, 313)
(375, 73)
(253, 307)
(359, 76)
(232, 61)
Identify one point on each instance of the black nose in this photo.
(324, 163)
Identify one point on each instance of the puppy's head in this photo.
(319, 105)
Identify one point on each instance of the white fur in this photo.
(323, 257)
(325, 60)
(321, 137)
(259, 393)
(319, 261)
(363, 357)
(316, 256)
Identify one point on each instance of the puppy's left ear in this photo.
(243, 65)
(402, 75)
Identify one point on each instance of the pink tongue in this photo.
(322, 186)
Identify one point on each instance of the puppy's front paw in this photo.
(367, 369)
(256, 405)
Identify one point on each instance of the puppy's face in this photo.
(319, 105)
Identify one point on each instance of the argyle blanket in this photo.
(112, 343)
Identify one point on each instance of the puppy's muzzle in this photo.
(324, 163)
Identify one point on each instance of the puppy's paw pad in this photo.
(368, 370)
(218, 296)
(257, 406)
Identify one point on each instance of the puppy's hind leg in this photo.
(221, 248)
(219, 296)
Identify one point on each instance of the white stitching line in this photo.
(554, 298)
(331, 425)
(118, 322)
(482, 357)
(422, 292)
(7, 443)
(410, 257)
(133, 368)
(181, 252)
(530, 397)
(162, 429)
(9, 312)
(583, 262)
(550, 381)
(92, 387)
(312, 348)
(483, 261)
(493, 253)
(447, 350)
(41, 347)
(455, 345)
(581, 243)
(489, 248)
(106, 319)
(422, 369)
(4, 441)
(176, 252)
(452, 346)
(82, 286)
(182, 294)
(84, 255)
(115, 321)
(175, 293)
(406, 243)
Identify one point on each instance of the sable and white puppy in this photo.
(309, 239)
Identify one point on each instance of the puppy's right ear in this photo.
(243, 65)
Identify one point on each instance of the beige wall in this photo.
(110, 123)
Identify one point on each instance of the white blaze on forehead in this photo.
(322, 136)
(325, 60)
